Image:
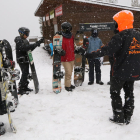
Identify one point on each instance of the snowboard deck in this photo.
(78, 74)
(56, 82)
(9, 55)
(33, 70)
(80, 60)
(5, 91)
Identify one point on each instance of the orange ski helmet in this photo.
(124, 20)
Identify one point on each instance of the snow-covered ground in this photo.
(79, 115)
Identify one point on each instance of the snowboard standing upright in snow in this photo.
(5, 75)
(12, 83)
(79, 63)
(33, 70)
(57, 74)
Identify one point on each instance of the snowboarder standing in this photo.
(125, 45)
(95, 43)
(22, 46)
(69, 57)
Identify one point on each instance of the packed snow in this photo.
(79, 115)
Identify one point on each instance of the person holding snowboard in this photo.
(69, 57)
(125, 46)
(22, 46)
(95, 43)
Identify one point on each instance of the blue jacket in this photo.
(51, 46)
(94, 44)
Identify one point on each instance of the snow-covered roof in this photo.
(123, 4)
(47, 5)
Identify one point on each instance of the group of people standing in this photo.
(123, 49)
(124, 54)
(67, 60)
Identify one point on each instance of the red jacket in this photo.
(68, 47)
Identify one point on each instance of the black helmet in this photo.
(94, 32)
(24, 31)
(66, 27)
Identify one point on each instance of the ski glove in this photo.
(39, 42)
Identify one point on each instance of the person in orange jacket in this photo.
(125, 47)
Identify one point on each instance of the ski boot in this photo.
(100, 82)
(90, 83)
(127, 119)
(1, 124)
(2, 131)
(117, 118)
(72, 87)
(22, 92)
(23, 89)
(108, 83)
(28, 89)
(68, 89)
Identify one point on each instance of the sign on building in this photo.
(101, 26)
(47, 17)
(52, 14)
(58, 11)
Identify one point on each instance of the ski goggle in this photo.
(24, 33)
(95, 31)
(116, 24)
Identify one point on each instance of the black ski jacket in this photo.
(22, 46)
(125, 46)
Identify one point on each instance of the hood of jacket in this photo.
(124, 20)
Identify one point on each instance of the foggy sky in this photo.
(15, 14)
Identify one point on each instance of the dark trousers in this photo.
(111, 60)
(94, 63)
(24, 77)
(115, 88)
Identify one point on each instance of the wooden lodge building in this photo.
(55, 12)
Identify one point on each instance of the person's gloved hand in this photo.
(39, 42)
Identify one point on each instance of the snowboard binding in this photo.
(58, 75)
(80, 51)
(78, 69)
(61, 52)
